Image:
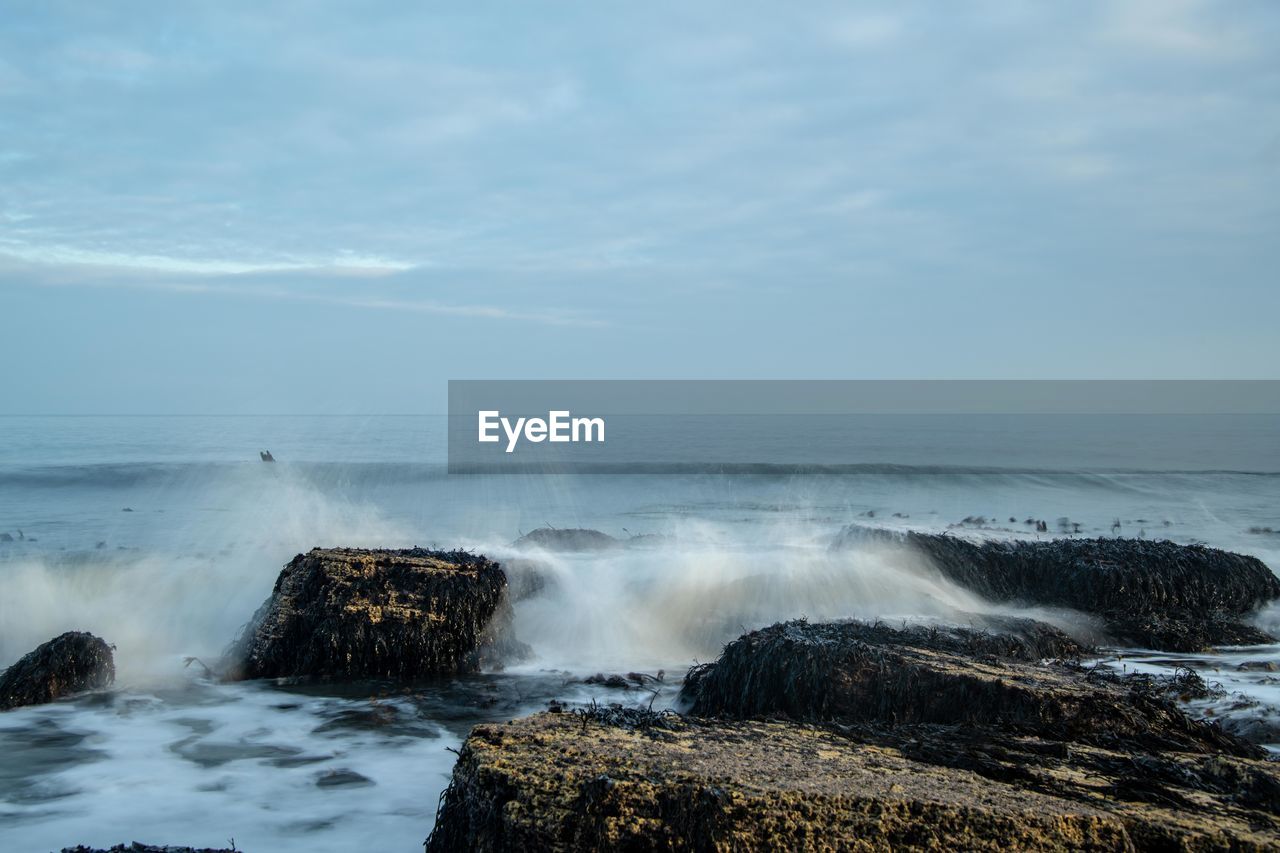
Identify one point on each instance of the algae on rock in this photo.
(69, 663)
(350, 613)
(556, 782)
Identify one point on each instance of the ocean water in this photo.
(164, 534)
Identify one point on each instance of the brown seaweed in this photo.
(348, 613)
(855, 672)
(1150, 593)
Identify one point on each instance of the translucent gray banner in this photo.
(763, 426)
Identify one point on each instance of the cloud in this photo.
(1184, 28)
(323, 285)
(339, 263)
(865, 31)
(596, 149)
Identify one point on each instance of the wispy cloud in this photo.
(1184, 28)
(279, 283)
(864, 31)
(341, 263)
(740, 170)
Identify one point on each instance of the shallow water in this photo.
(164, 535)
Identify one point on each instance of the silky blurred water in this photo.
(164, 534)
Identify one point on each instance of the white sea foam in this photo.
(170, 759)
(206, 764)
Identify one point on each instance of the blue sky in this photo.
(224, 207)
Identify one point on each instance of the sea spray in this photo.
(190, 595)
(682, 598)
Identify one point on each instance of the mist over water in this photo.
(164, 535)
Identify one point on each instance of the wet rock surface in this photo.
(348, 613)
(558, 781)
(856, 672)
(577, 539)
(859, 736)
(68, 664)
(568, 539)
(1152, 594)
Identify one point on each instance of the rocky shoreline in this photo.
(1152, 594)
(986, 734)
(862, 736)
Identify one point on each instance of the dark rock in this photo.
(1157, 594)
(855, 672)
(592, 782)
(567, 539)
(1260, 727)
(1183, 631)
(626, 681)
(347, 613)
(70, 663)
(342, 779)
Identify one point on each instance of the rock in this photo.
(1156, 594)
(70, 663)
(1181, 631)
(648, 540)
(1259, 666)
(620, 681)
(341, 779)
(567, 539)
(571, 782)
(348, 613)
(855, 672)
(1258, 728)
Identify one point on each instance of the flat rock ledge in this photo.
(349, 613)
(864, 736)
(70, 663)
(857, 672)
(566, 782)
(1154, 594)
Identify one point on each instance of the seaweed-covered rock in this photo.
(566, 782)
(854, 672)
(349, 613)
(1157, 594)
(70, 663)
(567, 539)
(1184, 631)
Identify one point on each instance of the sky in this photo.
(227, 207)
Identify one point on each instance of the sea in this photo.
(163, 534)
